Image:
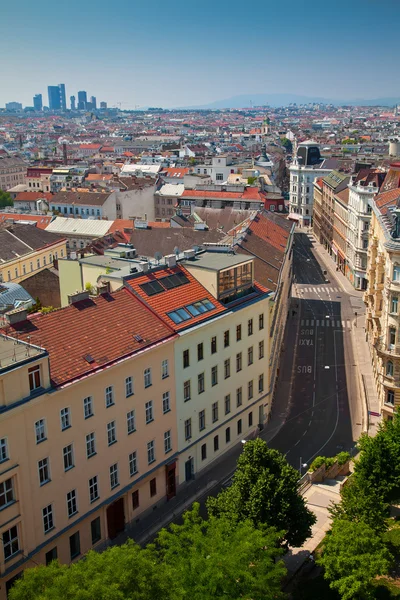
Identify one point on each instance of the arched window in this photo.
(389, 368)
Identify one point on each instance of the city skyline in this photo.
(191, 57)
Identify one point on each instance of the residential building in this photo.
(32, 202)
(26, 249)
(240, 197)
(307, 165)
(317, 209)
(332, 184)
(79, 233)
(219, 170)
(38, 102)
(83, 204)
(382, 296)
(67, 177)
(12, 172)
(38, 178)
(363, 187)
(340, 227)
(88, 428)
(166, 198)
(221, 316)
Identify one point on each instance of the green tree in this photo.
(210, 559)
(353, 555)
(119, 573)
(5, 199)
(286, 143)
(265, 490)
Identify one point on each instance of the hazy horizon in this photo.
(183, 55)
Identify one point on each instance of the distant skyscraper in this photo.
(63, 100)
(103, 104)
(13, 106)
(93, 102)
(82, 100)
(54, 97)
(38, 102)
(72, 99)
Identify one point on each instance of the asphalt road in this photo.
(319, 419)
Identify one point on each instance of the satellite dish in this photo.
(158, 257)
(176, 250)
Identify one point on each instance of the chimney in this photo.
(189, 254)
(17, 315)
(78, 296)
(170, 260)
(144, 266)
(103, 288)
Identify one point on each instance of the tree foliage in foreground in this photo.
(5, 199)
(265, 490)
(200, 560)
(354, 554)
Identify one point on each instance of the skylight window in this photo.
(152, 287)
(179, 315)
(202, 306)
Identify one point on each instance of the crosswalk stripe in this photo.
(302, 322)
(317, 322)
(318, 289)
(338, 324)
(312, 323)
(307, 323)
(322, 323)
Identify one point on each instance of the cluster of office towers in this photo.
(58, 101)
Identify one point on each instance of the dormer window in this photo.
(34, 378)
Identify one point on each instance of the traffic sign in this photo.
(374, 414)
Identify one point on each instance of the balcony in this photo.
(386, 349)
(392, 284)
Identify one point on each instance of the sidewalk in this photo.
(362, 354)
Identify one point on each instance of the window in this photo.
(48, 520)
(200, 383)
(214, 375)
(44, 471)
(114, 477)
(200, 352)
(202, 420)
(95, 529)
(239, 426)
(186, 390)
(390, 397)
(392, 337)
(250, 356)
(153, 487)
(260, 383)
(93, 489)
(396, 273)
(74, 545)
(147, 378)
(111, 433)
(250, 390)
(186, 359)
(72, 506)
(34, 378)
(214, 412)
(261, 321)
(238, 333)
(90, 445)
(149, 411)
(109, 395)
(151, 456)
(128, 386)
(219, 177)
(167, 441)
(3, 449)
(6, 493)
(130, 421)
(238, 362)
(188, 429)
(261, 349)
(227, 404)
(133, 464)
(250, 419)
(88, 407)
(65, 417)
(239, 397)
(389, 368)
(10, 542)
(165, 402)
(216, 443)
(227, 435)
(203, 451)
(51, 555)
(164, 372)
(68, 457)
(213, 345)
(226, 339)
(227, 368)
(394, 304)
(135, 499)
(250, 327)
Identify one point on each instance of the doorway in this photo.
(189, 469)
(115, 518)
(170, 480)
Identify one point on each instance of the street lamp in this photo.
(302, 465)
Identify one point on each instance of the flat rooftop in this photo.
(13, 351)
(216, 261)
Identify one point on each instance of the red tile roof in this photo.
(31, 196)
(89, 146)
(386, 199)
(178, 297)
(41, 220)
(270, 231)
(175, 172)
(103, 327)
(250, 193)
(98, 177)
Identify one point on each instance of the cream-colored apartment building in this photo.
(12, 172)
(382, 296)
(87, 430)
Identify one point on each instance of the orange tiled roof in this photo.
(102, 328)
(270, 232)
(30, 196)
(41, 220)
(175, 298)
(176, 172)
(98, 177)
(386, 199)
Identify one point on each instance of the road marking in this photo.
(312, 323)
(338, 324)
(322, 323)
(317, 323)
(302, 322)
(318, 289)
(310, 423)
(307, 322)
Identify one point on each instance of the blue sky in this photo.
(182, 53)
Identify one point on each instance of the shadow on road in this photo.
(306, 268)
